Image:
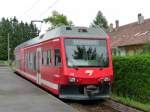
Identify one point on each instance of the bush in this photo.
(132, 77)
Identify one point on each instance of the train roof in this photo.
(66, 31)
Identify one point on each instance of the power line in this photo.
(52, 5)
(31, 7)
(34, 4)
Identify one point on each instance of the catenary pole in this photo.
(8, 47)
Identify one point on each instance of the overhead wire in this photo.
(49, 7)
(31, 7)
(41, 14)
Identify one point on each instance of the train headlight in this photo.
(106, 79)
(72, 80)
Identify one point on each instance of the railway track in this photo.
(101, 106)
(91, 106)
(96, 106)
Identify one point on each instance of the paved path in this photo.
(19, 95)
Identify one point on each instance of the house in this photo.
(130, 39)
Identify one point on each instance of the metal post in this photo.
(8, 48)
(40, 21)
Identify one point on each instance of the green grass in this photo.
(2, 62)
(132, 103)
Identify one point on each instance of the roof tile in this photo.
(131, 34)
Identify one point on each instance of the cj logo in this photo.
(89, 72)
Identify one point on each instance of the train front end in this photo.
(88, 73)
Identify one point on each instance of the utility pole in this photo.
(8, 47)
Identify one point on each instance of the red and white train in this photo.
(71, 62)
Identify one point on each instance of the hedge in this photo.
(132, 77)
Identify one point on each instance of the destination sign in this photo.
(82, 42)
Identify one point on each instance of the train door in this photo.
(38, 64)
(57, 58)
(57, 62)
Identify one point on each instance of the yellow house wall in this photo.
(134, 49)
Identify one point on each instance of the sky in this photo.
(80, 12)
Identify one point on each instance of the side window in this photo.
(26, 60)
(34, 61)
(49, 61)
(45, 58)
(57, 57)
(29, 58)
(42, 57)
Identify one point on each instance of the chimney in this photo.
(117, 24)
(111, 28)
(140, 19)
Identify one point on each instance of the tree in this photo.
(19, 32)
(4, 27)
(57, 19)
(100, 21)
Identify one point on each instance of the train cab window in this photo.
(57, 57)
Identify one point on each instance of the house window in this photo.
(114, 51)
(57, 57)
(122, 51)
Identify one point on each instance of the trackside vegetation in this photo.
(18, 32)
(2, 62)
(132, 78)
(131, 102)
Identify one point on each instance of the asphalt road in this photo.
(19, 95)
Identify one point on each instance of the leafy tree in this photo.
(19, 32)
(57, 19)
(100, 21)
(4, 27)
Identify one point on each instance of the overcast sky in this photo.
(81, 12)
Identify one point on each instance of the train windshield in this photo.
(86, 53)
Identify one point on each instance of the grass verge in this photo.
(2, 62)
(132, 103)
